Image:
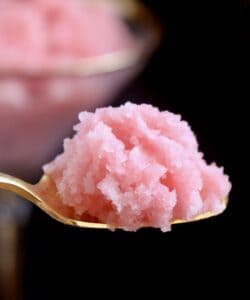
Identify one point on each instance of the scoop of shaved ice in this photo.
(134, 166)
(40, 33)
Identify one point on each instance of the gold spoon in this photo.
(44, 195)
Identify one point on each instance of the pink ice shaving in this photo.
(43, 32)
(134, 166)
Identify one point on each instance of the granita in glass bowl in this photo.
(58, 58)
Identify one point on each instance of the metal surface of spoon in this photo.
(44, 195)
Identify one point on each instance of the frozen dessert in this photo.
(39, 33)
(134, 166)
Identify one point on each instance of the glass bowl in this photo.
(39, 106)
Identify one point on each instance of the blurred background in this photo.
(182, 60)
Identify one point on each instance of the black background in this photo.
(194, 74)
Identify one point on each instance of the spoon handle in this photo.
(17, 186)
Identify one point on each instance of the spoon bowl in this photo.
(44, 195)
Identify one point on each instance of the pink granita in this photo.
(44, 33)
(134, 166)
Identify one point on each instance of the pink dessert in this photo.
(134, 166)
(39, 33)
